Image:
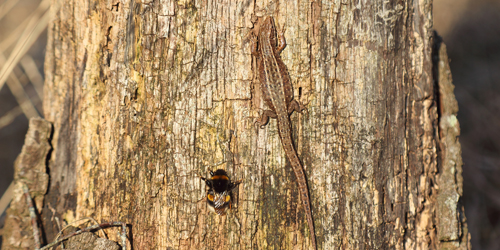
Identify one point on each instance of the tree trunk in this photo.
(147, 97)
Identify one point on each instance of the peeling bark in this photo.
(453, 232)
(145, 97)
(29, 169)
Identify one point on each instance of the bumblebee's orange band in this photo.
(217, 177)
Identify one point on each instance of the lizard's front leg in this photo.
(281, 40)
(264, 118)
(296, 106)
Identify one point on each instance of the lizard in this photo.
(277, 93)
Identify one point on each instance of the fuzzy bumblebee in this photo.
(219, 195)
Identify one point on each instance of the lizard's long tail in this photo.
(286, 140)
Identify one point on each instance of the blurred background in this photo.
(470, 29)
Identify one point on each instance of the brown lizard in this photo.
(278, 94)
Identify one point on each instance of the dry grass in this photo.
(36, 25)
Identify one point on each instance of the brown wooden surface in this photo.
(145, 97)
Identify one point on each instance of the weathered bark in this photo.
(30, 170)
(145, 97)
(453, 232)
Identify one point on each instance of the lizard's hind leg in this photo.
(264, 118)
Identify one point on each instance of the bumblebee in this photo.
(219, 195)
